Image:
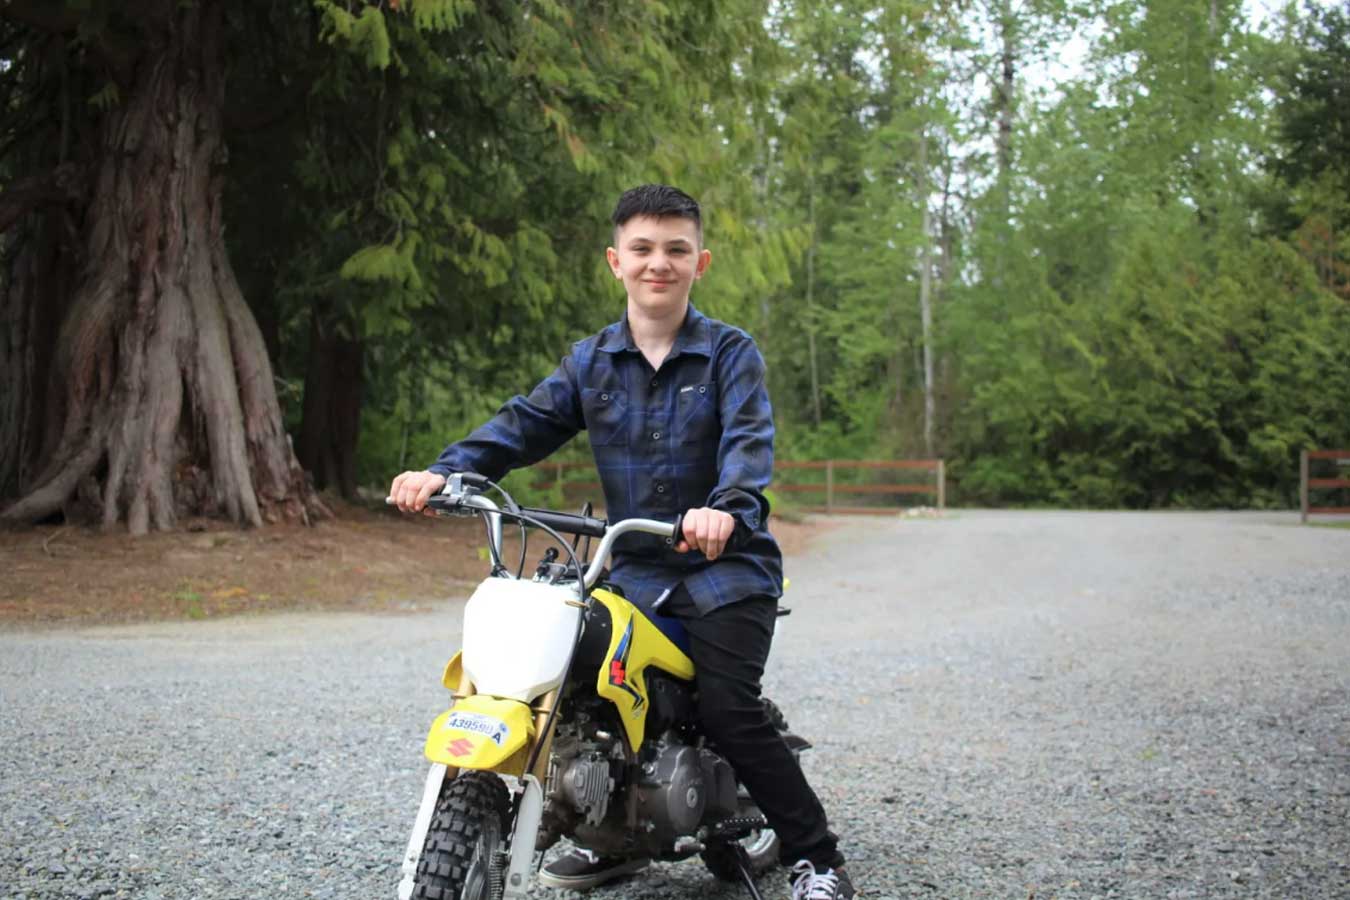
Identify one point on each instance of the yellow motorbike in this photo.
(572, 716)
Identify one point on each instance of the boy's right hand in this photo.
(411, 490)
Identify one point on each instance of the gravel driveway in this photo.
(1006, 705)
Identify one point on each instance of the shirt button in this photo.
(660, 488)
(656, 435)
(703, 389)
(604, 397)
(654, 383)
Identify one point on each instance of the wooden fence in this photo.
(825, 482)
(1306, 484)
(829, 486)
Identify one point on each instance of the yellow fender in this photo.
(482, 732)
(635, 644)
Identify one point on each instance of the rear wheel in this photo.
(761, 845)
(464, 837)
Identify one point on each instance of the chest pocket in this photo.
(606, 416)
(696, 417)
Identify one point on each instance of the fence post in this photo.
(1303, 486)
(942, 485)
(829, 486)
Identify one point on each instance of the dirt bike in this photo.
(572, 716)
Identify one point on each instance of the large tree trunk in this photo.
(334, 388)
(160, 388)
(34, 296)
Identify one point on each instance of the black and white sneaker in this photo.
(810, 883)
(580, 870)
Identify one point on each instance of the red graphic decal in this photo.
(460, 747)
(616, 673)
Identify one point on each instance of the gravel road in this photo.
(1006, 705)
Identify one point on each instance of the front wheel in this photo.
(464, 837)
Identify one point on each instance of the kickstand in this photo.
(743, 864)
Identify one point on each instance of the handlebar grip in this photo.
(567, 523)
(677, 534)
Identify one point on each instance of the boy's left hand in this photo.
(707, 530)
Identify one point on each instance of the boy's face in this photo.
(658, 261)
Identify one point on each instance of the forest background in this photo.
(1091, 253)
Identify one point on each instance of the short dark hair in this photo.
(658, 201)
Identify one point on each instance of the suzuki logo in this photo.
(460, 747)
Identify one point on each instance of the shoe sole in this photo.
(585, 882)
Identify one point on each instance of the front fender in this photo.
(482, 732)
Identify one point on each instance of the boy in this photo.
(679, 420)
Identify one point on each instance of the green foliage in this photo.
(441, 15)
(364, 32)
(1138, 293)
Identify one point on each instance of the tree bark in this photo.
(34, 296)
(160, 388)
(811, 302)
(926, 296)
(1006, 88)
(334, 389)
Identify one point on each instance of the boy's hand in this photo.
(707, 530)
(411, 490)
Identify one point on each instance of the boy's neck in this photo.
(655, 334)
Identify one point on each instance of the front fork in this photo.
(529, 812)
(430, 794)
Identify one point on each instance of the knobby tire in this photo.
(468, 805)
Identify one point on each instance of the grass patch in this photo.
(1345, 525)
(191, 602)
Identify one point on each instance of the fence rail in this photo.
(936, 486)
(831, 486)
(1308, 484)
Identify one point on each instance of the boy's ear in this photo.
(612, 257)
(704, 260)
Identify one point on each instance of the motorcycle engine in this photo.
(615, 804)
(671, 791)
(585, 782)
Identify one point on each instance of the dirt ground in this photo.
(362, 559)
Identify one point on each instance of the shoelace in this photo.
(808, 884)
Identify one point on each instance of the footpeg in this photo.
(736, 828)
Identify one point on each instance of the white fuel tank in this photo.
(518, 636)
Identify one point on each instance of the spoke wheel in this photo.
(465, 834)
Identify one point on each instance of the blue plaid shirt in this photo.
(697, 432)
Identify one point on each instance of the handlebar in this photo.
(455, 499)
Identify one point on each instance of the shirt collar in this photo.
(694, 336)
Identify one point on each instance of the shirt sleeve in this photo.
(745, 453)
(524, 430)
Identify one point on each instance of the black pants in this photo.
(729, 647)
